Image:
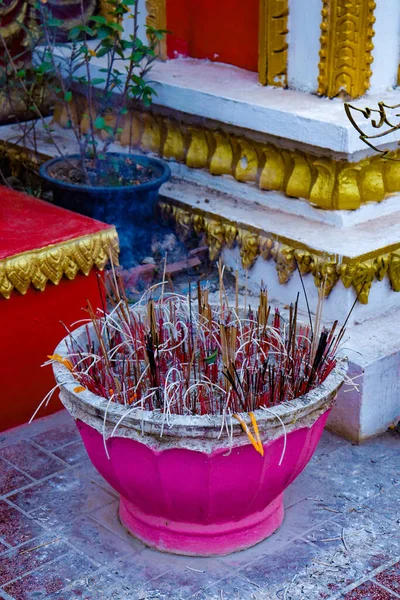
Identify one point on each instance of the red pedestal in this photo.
(41, 243)
(224, 31)
(31, 329)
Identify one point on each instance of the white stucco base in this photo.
(373, 349)
(382, 298)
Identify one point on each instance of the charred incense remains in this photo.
(182, 355)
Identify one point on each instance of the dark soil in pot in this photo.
(110, 172)
(122, 190)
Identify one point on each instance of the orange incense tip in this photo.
(255, 441)
(64, 361)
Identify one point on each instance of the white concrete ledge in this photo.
(233, 96)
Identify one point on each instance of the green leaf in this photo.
(123, 111)
(116, 26)
(100, 53)
(102, 33)
(108, 129)
(210, 360)
(98, 81)
(99, 19)
(68, 96)
(99, 123)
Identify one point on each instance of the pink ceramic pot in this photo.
(188, 491)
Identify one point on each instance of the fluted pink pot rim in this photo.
(197, 432)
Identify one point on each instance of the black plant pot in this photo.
(130, 208)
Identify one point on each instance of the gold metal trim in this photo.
(346, 45)
(38, 266)
(219, 232)
(272, 44)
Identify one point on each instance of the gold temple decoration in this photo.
(384, 118)
(359, 272)
(157, 18)
(37, 267)
(346, 45)
(272, 44)
(329, 183)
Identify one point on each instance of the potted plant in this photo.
(93, 78)
(197, 416)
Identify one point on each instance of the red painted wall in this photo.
(30, 330)
(220, 30)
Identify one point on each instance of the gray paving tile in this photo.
(61, 498)
(97, 542)
(59, 436)
(272, 571)
(15, 527)
(330, 442)
(18, 561)
(11, 479)
(108, 517)
(50, 578)
(31, 460)
(353, 474)
(59, 419)
(235, 588)
(73, 453)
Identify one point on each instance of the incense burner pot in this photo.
(184, 486)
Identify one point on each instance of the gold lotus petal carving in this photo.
(358, 273)
(36, 267)
(329, 183)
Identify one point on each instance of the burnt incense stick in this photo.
(183, 355)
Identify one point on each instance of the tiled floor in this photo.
(60, 536)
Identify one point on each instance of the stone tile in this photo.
(125, 579)
(15, 563)
(352, 474)
(306, 515)
(30, 459)
(62, 498)
(386, 447)
(59, 436)
(39, 425)
(10, 478)
(386, 504)
(50, 578)
(92, 473)
(97, 542)
(187, 575)
(308, 489)
(369, 591)
(108, 517)
(15, 527)
(390, 578)
(73, 453)
(276, 542)
(367, 545)
(234, 588)
(329, 442)
(271, 571)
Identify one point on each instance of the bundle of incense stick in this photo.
(182, 355)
